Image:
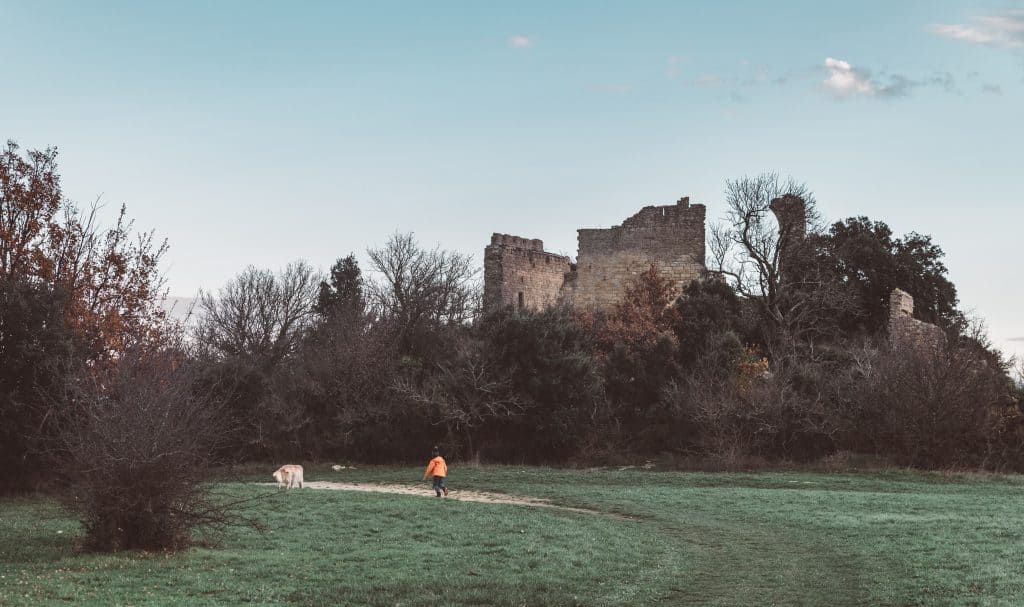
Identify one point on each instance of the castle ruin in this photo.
(904, 329)
(518, 271)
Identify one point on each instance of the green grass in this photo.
(666, 538)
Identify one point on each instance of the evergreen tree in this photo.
(344, 291)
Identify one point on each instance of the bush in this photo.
(935, 407)
(136, 446)
(735, 405)
(548, 358)
(468, 397)
(335, 395)
(638, 353)
(705, 308)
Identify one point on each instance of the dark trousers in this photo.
(438, 484)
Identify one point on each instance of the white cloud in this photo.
(1005, 30)
(845, 81)
(520, 41)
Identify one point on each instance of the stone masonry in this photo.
(904, 329)
(791, 213)
(671, 237)
(518, 272)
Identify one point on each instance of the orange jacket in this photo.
(436, 467)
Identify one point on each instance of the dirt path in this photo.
(460, 495)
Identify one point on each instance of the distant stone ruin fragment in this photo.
(907, 331)
(519, 273)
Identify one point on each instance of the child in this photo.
(439, 469)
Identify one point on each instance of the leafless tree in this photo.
(136, 446)
(258, 313)
(415, 287)
(768, 256)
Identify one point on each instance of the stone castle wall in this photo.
(519, 273)
(904, 329)
(671, 237)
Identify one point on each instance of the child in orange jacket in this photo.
(439, 469)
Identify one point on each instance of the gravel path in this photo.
(485, 497)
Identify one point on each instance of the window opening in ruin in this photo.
(521, 303)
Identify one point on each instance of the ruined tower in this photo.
(791, 213)
(518, 272)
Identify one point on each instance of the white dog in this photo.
(289, 476)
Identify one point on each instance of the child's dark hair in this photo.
(435, 451)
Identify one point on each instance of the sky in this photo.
(265, 132)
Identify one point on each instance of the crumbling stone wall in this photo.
(671, 236)
(518, 272)
(904, 329)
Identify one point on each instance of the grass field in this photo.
(772, 538)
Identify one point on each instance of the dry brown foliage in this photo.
(110, 276)
(644, 315)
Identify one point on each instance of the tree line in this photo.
(779, 352)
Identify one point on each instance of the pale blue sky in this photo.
(259, 132)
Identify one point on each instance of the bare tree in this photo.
(764, 249)
(259, 313)
(415, 287)
(136, 446)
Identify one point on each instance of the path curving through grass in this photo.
(462, 495)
